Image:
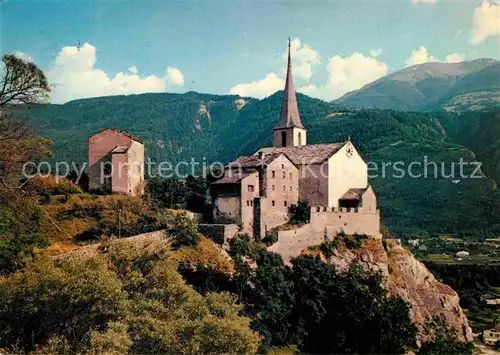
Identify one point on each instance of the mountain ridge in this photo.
(428, 86)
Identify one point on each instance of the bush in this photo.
(301, 213)
(239, 246)
(270, 238)
(183, 231)
(42, 185)
(444, 339)
(130, 299)
(22, 230)
(355, 241)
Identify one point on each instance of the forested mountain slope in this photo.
(178, 127)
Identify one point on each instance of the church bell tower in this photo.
(290, 131)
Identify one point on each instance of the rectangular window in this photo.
(273, 187)
(250, 188)
(282, 166)
(291, 188)
(248, 203)
(284, 188)
(286, 203)
(251, 202)
(273, 203)
(273, 174)
(290, 176)
(284, 175)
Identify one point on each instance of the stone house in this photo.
(116, 163)
(257, 191)
(331, 177)
(491, 336)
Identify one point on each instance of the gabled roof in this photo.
(119, 149)
(306, 154)
(289, 109)
(117, 131)
(354, 194)
(255, 161)
(232, 177)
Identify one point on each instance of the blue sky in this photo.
(238, 47)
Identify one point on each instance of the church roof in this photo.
(306, 154)
(354, 194)
(289, 109)
(232, 177)
(254, 161)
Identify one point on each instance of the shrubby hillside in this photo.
(178, 127)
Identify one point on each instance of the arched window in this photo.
(283, 139)
(300, 138)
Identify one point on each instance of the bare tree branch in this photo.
(22, 82)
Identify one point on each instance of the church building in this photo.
(258, 190)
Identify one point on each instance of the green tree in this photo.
(316, 308)
(197, 190)
(21, 219)
(167, 193)
(301, 213)
(129, 299)
(183, 230)
(444, 339)
(22, 82)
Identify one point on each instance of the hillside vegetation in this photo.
(207, 127)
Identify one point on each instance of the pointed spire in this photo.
(289, 110)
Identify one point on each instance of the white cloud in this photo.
(74, 76)
(485, 21)
(351, 73)
(375, 52)
(345, 74)
(259, 88)
(308, 89)
(454, 58)
(175, 76)
(424, 1)
(24, 56)
(419, 56)
(304, 58)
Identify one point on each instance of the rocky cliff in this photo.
(408, 278)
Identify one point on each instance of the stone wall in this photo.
(349, 220)
(291, 242)
(326, 223)
(120, 173)
(249, 191)
(92, 249)
(282, 190)
(135, 158)
(219, 233)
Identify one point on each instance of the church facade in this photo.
(258, 190)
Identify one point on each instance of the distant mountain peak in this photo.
(424, 84)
